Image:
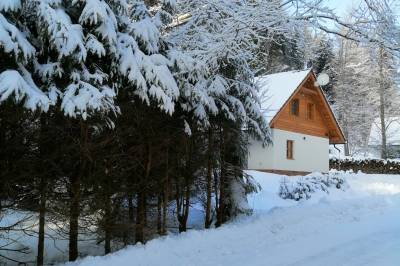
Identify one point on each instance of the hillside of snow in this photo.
(358, 225)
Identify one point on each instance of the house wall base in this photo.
(283, 172)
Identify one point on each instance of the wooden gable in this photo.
(320, 123)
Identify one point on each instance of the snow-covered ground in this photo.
(25, 236)
(358, 226)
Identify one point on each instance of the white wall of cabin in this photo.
(259, 157)
(311, 154)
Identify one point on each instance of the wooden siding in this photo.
(323, 123)
(301, 124)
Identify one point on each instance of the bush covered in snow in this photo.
(304, 187)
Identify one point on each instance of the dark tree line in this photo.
(111, 133)
(123, 181)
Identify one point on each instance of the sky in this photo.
(342, 6)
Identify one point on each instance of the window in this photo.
(310, 111)
(289, 149)
(294, 107)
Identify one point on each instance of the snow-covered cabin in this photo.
(302, 125)
(392, 125)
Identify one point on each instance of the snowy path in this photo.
(381, 248)
(358, 227)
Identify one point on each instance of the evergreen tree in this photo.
(324, 63)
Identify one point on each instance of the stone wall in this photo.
(369, 166)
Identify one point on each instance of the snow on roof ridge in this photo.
(276, 89)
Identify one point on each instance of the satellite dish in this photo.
(323, 79)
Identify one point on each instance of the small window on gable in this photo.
(294, 107)
(289, 149)
(310, 111)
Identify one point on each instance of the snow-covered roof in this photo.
(276, 89)
(392, 131)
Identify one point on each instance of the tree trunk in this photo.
(42, 189)
(42, 213)
(107, 209)
(139, 218)
(208, 220)
(74, 217)
(130, 210)
(216, 191)
(221, 203)
(178, 201)
(108, 225)
(141, 198)
(159, 214)
(346, 145)
(187, 205)
(128, 232)
(166, 195)
(384, 153)
(184, 214)
(139, 232)
(75, 194)
(145, 209)
(382, 103)
(107, 241)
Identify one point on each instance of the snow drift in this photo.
(355, 226)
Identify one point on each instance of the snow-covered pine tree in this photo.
(18, 54)
(143, 60)
(76, 55)
(223, 89)
(80, 49)
(221, 45)
(18, 92)
(324, 63)
(71, 63)
(167, 11)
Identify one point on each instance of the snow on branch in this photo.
(150, 74)
(22, 88)
(94, 46)
(10, 5)
(129, 58)
(81, 98)
(97, 12)
(14, 41)
(148, 33)
(67, 38)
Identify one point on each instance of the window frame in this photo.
(310, 111)
(289, 149)
(297, 109)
